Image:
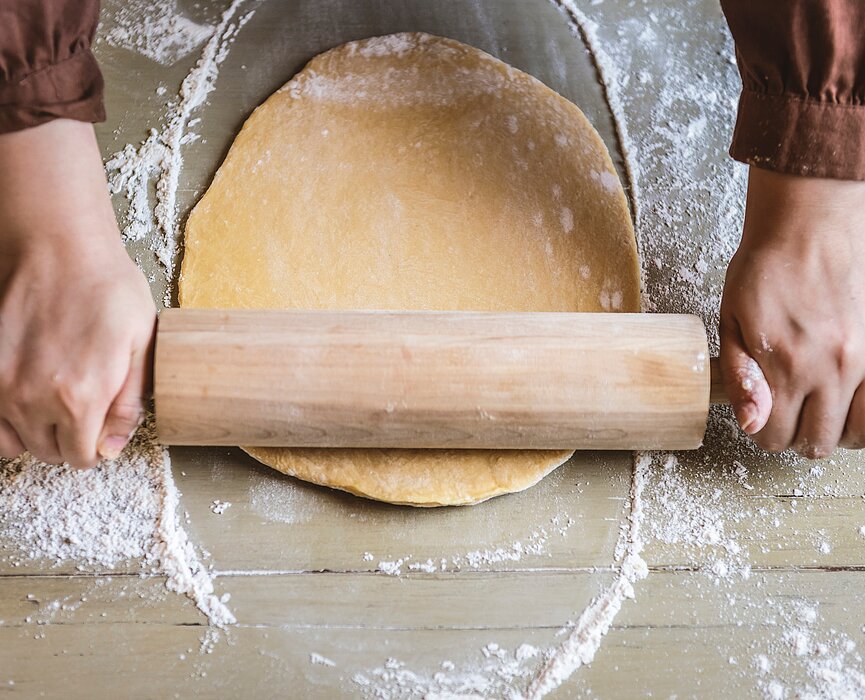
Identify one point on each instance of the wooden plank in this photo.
(278, 523)
(761, 509)
(678, 637)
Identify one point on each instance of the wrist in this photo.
(789, 208)
(53, 191)
(798, 192)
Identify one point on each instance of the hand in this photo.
(794, 303)
(76, 314)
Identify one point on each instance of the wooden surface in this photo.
(431, 380)
(294, 557)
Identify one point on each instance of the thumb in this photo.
(746, 385)
(127, 410)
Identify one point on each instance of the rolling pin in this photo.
(432, 379)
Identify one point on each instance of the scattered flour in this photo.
(285, 500)
(526, 672)
(155, 29)
(584, 636)
(320, 660)
(110, 516)
(219, 507)
(536, 544)
(832, 665)
(496, 672)
(159, 159)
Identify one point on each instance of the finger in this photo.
(746, 386)
(854, 428)
(40, 441)
(10, 444)
(783, 423)
(77, 436)
(127, 409)
(821, 425)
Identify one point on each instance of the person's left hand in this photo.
(794, 303)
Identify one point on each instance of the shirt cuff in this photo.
(796, 136)
(71, 89)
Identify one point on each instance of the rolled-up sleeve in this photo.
(802, 108)
(47, 69)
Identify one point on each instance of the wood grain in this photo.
(431, 379)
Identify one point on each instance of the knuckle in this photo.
(846, 355)
(817, 444)
(787, 359)
(74, 396)
(25, 398)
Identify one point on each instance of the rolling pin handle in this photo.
(718, 391)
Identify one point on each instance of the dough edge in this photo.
(406, 489)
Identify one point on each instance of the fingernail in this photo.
(112, 446)
(747, 417)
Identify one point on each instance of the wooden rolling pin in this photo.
(432, 379)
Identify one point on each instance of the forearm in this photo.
(47, 172)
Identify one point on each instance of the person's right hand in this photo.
(76, 314)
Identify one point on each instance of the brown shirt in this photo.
(802, 109)
(47, 70)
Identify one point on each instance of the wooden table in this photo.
(305, 567)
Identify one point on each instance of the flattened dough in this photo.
(413, 172)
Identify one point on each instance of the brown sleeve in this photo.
(47, 70)
(802, 62)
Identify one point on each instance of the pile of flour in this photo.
(122, 514)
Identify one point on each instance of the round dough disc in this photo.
(413, 172)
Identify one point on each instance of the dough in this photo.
(413, 172)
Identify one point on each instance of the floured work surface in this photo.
(414, 172)
(753, 587)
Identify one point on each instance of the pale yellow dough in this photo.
(413, 172)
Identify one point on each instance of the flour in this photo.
(320, 660)
(831, 663)
(584, 636)
(527, 671)
(495, 672)
(285, 500)
(156, 30)
(110, 516)
(218, 507)
(158, 160)
(536, 544)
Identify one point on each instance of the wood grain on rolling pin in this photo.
(431, 379)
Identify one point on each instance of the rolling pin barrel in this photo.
(431, 379)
